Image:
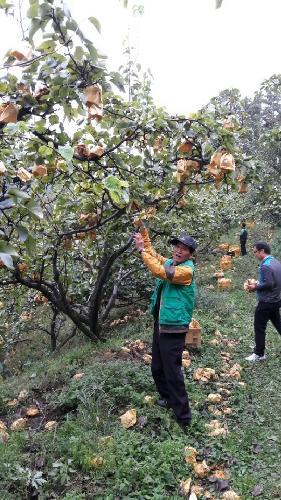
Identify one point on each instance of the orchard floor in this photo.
(90, 455)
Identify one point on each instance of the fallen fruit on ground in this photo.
(186, 363)
(150, 400)
(78, 376)
(32, 411)
(201, 470)
(147, 359)
(3, 426)
(4, 436)
(230, 495)
(51, 425)
(214, 398)
(204, 374)
(190, 454)
(13, 402)
(185, 487)
(19, 424)
(96, 462)
(128, 419)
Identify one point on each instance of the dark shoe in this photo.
(163, 403)
(184, 426)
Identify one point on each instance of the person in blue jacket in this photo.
(268, 288)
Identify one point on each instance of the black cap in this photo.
(185, 239)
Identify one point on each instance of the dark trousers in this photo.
(167, 372)
(264, 312)
(243, 248)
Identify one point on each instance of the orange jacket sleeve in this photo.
(155, 263)
(148, 248)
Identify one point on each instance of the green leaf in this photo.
(34, 208)
(96, 23)
(33, 9)
(22, 232)
(45, 151)
(30, 245)
(70, 167)
(47, 45)
(54, 119)
(35, 25)
(11, 128)
(6, 248)
(3, 4)
(93, 52)
(7, 260)
(71, 25)
(17, 195)
(3, 85)
(66, 152)
(78, 53)
(112, 183)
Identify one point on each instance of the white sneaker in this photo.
(255, 357)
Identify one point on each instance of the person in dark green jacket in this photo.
(172, 306)
(243, 239)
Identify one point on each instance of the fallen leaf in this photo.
(128, 419)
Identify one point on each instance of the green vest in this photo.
(177, 301)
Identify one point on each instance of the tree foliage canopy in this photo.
(78, 163)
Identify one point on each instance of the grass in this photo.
(90, 455)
